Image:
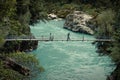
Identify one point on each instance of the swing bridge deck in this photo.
(47, 39)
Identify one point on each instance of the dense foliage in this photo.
(23, 59)
(15, 17)
(104, 30)
(116, 45)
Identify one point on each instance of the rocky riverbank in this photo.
(18, 26)
(77, 22)
(26, 46)
(115, 75)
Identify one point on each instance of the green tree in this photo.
(105, 22)
(7, 8)
(116, 46)
(104, 30)
(37, 11)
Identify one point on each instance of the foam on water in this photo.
(69, 60)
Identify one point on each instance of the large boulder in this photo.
(77, 22)
(52, 16)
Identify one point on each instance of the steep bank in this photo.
(15, 17)
(115, 75)
(77, 22)
(17, 25)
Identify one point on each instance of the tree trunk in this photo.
(10, 63)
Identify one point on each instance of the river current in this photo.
(68, 60)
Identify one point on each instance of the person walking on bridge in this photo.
(68, 36)
(51, 37)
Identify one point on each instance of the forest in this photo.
(16, 16)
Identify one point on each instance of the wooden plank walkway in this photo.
(102, 40)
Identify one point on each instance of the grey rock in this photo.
(52, 16)
(77, 22)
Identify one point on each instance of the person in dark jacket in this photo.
(68, 36)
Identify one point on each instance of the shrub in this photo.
(24, 59)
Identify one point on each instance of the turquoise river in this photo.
(68, 60)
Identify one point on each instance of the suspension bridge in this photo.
(58, 39)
